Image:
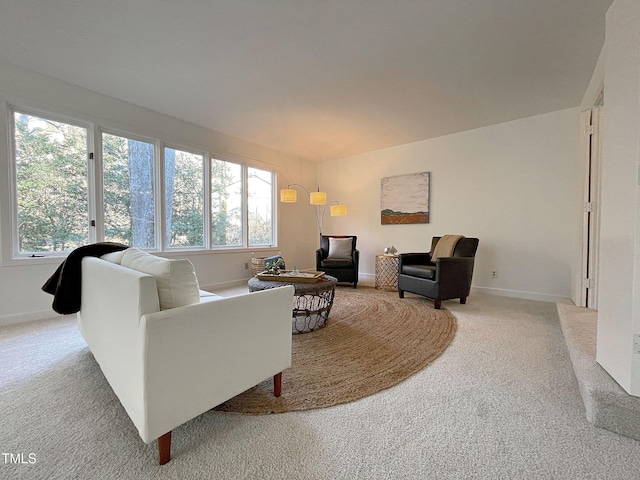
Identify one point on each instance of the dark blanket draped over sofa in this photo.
(65, 282)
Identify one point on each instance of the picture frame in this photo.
(404, 199)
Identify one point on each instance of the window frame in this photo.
(13, 177)
(245, 164)
(206, 219)
(95, 196)
(243, 205)
(274, 193)
(158, 189)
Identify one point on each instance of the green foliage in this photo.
(52, 192)
(259, 203)
(117, 200)
(51, 174)
(274, 266)
(186, 184)
(226, 213)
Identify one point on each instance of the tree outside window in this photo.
(54, 195)
(51, 184)
(129, 205)
(184, 198)
(226, 203)
(260, 196)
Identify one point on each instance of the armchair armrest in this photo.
(454, 269)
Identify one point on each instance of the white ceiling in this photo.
(318, 79)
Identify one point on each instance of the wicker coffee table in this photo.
(312, 301)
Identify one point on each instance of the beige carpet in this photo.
(373, 340)
(501, 402)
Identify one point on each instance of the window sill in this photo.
(53, 259)
(33, 261)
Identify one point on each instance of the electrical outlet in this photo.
(636, 343)
(246, 266)
(494, 273)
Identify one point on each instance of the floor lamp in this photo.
(318, 201)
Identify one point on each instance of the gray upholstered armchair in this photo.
(338, 257)
(444, 279)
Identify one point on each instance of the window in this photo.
(132, 190)
(260, 203)
(129, 204)
(226, 204)
(184, 198)
(51, 184)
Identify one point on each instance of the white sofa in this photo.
(170, 365)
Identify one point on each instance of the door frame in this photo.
(591, 123)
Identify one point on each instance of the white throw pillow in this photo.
(340, 247)
(113, 257)
(176, 279)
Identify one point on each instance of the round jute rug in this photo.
(372, 341)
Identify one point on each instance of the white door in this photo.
(591, 123)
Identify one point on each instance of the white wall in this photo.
(619, 266)
(517, 186)
(20, 295)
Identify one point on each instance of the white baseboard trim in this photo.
(7, 320)
(365, 280)
(502, 292)
(223, 285)
(369, 280)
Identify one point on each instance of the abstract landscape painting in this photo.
(404, 199)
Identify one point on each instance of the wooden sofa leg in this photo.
(277, 384)
(463, 300)
(437, 304)
(164, 448)
(401, 293)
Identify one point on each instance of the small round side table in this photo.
(387, 272)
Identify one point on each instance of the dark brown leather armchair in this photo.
(448, 277)
(345, 266)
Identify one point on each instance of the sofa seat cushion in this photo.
(176, 279)
(209, 297)
(336, 263)
(420, 271)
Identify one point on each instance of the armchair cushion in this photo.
(337, 263)
(176, 279)
(421, 271)
(340, 247)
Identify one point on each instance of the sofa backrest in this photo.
(176, 278)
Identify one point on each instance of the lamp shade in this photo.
(288, 195)
(317, 198)
(338, 210)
